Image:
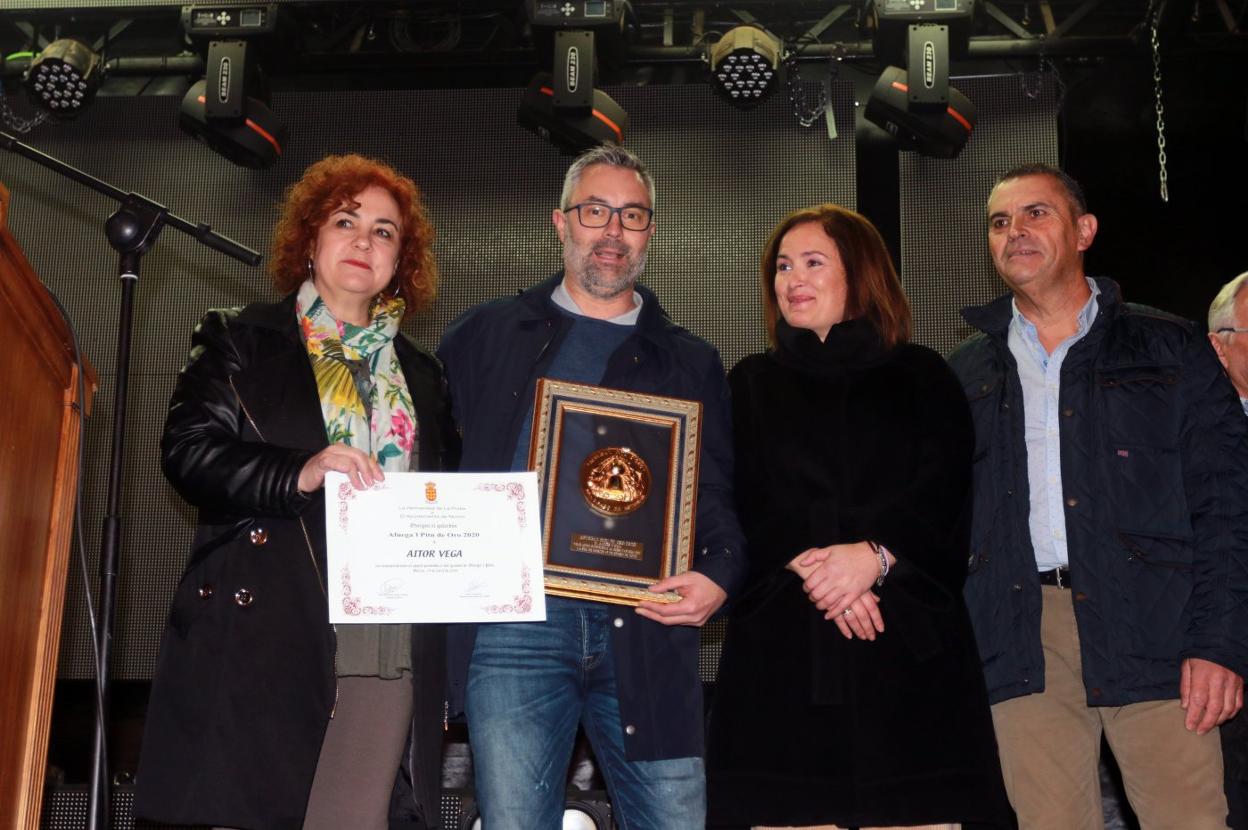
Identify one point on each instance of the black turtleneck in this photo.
(850, 344)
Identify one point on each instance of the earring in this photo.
(311, 273)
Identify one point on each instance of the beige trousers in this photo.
(1050, 747)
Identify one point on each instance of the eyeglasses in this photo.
(596, 215)
(1229, 330)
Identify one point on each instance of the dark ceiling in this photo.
(465, 43)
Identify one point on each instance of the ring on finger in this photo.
(847, 612)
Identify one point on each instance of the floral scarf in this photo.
(364, 397)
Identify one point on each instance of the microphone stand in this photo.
(131, 231)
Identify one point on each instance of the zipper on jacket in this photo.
(320, 582)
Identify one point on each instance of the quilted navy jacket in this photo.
(1155, 470)
(494, 354)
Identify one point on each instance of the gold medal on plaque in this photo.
(615, 481)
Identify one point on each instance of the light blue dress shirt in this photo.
(1040, 374)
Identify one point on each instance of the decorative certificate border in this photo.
(521, 603)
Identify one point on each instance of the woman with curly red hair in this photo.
(262, 714)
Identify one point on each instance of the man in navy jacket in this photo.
(630, 677)
(1109, 564)
(1228, 332)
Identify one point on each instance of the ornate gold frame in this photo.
(556, 402)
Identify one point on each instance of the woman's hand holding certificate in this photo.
(434, 547)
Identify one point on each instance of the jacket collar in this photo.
(651, 324)
(279, 316)
(993, 318)
(850, 344)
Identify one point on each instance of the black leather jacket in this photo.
(245, 681)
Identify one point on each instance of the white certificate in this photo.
(434, 547)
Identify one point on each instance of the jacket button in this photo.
(630, 730)
(1005, 404)
(636, 358)
(619, 622)
(243, 598)
(1026, 681)
(1072, 502)
(1068, 412)
(1010, 491)
(205, 591)
(1018, 586)
(259, 536)
(983, 388)
(515, 394)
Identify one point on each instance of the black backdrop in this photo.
(723, 178)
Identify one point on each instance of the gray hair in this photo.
(1222, 309)
(609, 154)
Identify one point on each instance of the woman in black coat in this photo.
(262, 715)
(849, 690)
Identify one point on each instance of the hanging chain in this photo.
(806, 114)
(16, 122)
(1033, 82)
(1161, 113)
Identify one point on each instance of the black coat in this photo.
(837, 442)
(1154, 470)
(245, 681)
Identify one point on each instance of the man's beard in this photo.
(603, 284)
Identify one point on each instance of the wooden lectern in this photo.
(39, 428)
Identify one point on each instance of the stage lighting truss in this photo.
(64, 77)
(745, 65)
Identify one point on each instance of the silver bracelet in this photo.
(881, 552)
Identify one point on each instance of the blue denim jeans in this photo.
(529, 686)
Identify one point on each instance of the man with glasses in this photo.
(629, 677)
(1228, 332)
(1108, 582)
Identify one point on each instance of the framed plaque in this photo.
(618, 477)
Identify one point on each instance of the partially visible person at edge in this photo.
(630, 678)
(1228, 332)
(849, 691)
(262, 714)
(1109, 555)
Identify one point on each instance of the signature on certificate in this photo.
(473, 590)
